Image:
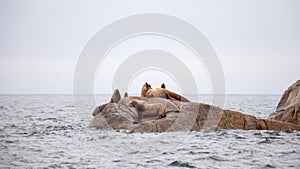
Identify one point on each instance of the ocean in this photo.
(50, 131)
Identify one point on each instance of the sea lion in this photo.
(147, 91)
(147, 110)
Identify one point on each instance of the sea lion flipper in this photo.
(167, 96)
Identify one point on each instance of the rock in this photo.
(288, 109)
(181, 116)
(116, 97)
(99, 109)
(181, 164)
(237, 120)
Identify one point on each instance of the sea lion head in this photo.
(138, 104)
(147, 85)
(145, 88)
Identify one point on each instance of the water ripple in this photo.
(47, 132)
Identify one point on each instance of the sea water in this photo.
(51, 131)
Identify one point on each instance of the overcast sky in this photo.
(257, 42)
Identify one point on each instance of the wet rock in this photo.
(288, 109)
(181, 164)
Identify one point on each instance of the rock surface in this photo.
(288, 109)
(115, 98)
(182, 116)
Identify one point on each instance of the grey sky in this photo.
(256, 41)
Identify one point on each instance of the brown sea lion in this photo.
(147, 110)
(147, 91)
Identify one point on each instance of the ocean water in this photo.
(50, 131)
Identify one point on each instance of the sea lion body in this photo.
(147, 91)
(147, 110)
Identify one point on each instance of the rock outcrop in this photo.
(288, 109)
(185, 116)
(115, 98)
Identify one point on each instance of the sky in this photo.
(257, 43)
